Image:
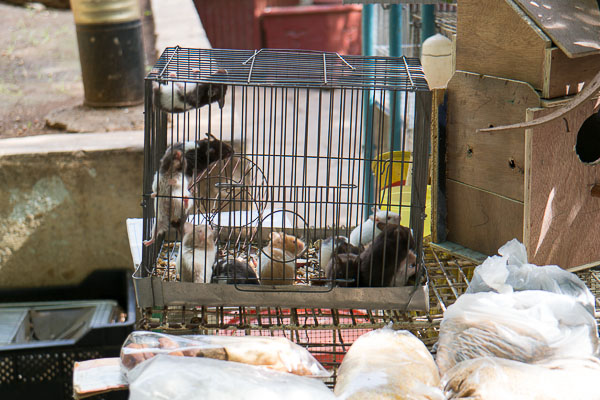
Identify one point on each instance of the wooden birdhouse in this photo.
(515, 61)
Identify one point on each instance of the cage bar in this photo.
(288, 162)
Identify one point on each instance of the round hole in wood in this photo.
(511, 163)
(588, 140)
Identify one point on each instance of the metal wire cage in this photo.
(278, 157)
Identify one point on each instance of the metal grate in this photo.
(326, 333)
(287, 68)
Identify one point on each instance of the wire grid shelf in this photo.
(288, 68)
(326, 333)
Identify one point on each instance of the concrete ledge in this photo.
(64, 200)
(67, 142)
(177, 23)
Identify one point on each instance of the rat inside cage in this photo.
(284, 178)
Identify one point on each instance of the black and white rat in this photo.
(183, 96)
(234, 271)
(200, 154)
(198, 253)
(171, 193)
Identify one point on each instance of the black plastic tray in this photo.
(34, 371)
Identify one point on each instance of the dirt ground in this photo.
(39, 67)
(40, 75)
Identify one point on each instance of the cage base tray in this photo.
(154, 292)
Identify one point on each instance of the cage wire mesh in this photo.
(261, 169)
(326, 333)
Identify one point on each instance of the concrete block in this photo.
(64, 200)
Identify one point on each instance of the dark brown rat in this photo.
(234, 271)
(390, 260)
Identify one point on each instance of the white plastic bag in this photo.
(187, 378)
(500, 379)
(388, 364)
(510, 272)
(277, 353)
(524, 326)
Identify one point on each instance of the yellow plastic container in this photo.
(398, 186)
(405, 192)
(398, 167)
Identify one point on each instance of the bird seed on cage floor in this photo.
(308, 271)
(165, 265)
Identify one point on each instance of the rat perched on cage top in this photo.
(198, 253)
(278, 259)
(170, 190)
(184, 96)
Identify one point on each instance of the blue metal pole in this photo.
(395, 40)
(368, 45)
(395, 32)
(427, 21)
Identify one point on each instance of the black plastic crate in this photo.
(34, 371)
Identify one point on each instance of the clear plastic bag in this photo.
(526, 326)
(277, 353)
(510, 272)
(500, 379)
(186, 378)
(388, 364)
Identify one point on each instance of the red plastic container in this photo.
(319, 27)
(235, 24)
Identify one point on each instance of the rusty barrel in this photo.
(111, 51)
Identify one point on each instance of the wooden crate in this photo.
(522, 183)
(510, 39)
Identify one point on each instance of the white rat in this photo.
(198, 253)
(364, 233)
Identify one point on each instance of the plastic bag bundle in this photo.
(500, 379)
(510, 272)
(524, 326)
(187, 378)
(277, 353)
(388, 364)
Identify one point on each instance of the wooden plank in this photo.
(438, 166)
(591, 90)
(480, 220)
(494, 37)
(493, 162)
(460, 251)
(562, 224)
(422, 136)
(565, 75)
(572, 25)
